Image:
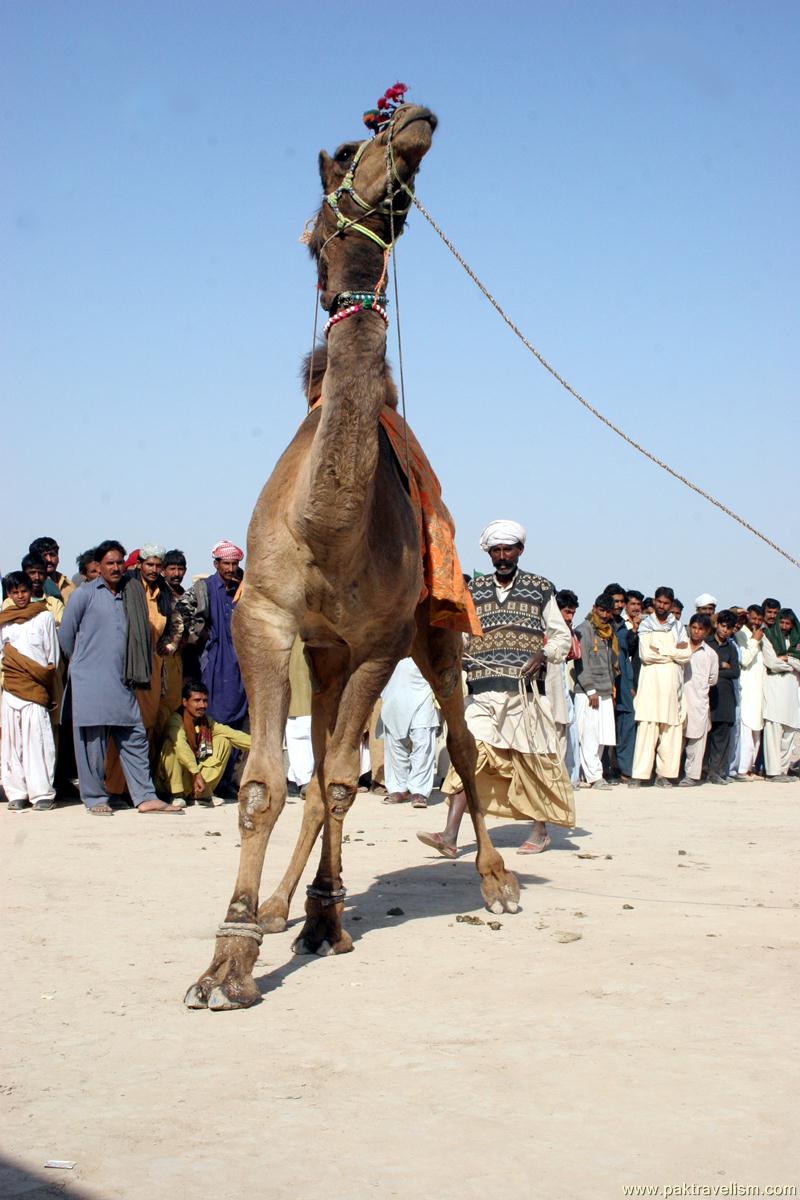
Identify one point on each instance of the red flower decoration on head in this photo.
(379, 117)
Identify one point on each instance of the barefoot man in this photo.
(519, 774)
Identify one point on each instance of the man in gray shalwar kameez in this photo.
(94, 635)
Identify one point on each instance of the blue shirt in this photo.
(94, 635)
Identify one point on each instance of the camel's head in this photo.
(356, 184)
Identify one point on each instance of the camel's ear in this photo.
(326, 166)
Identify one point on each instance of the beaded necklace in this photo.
(367, 304)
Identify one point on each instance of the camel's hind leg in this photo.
(330, 667)
(437, 653)
(263, 637)
(322, 932)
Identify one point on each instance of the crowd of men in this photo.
(124, 682)
(120, 680)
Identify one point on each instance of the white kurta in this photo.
(300, 750)
(781, 690)
(700, 674)
(659, 696)
(36, 639)
(407, 701)
(596, 728)
(410, 721)
(752, 678)
(28, 747)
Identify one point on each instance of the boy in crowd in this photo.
(700, 674)
(30, 661)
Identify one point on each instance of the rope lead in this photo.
(577, 396)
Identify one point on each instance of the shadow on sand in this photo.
(24, 1182)
(436, 887)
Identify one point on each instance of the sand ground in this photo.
(440, 1059)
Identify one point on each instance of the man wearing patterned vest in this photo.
(519, 774)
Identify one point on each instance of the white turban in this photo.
(152, 550)
(705, 598)
(502, 533)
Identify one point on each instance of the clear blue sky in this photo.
(623, 176)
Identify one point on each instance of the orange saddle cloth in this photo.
(451, 605)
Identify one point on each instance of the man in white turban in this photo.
(519, 774)
(502, 533)
(706, 603)
(151, 550)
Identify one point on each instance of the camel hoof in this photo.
(500, 891)
(301, 946)
(218, 1001)
(195, 997)
(307, 944)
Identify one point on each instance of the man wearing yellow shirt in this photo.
(56, 584)
(195, 749)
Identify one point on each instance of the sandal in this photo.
(101, 810)
(396, 798)
(528, 847)
(418, 801)
(437, 842)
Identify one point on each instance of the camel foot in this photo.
(310, 945)
(500, 891)
(219, 1000)
(228, 982)
(204, 994)
(194, 998)
(322, 933)
(273, 916)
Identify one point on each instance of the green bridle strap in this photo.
(346, 187)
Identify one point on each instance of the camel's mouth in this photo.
(413, 115)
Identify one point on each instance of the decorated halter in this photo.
(376, 120)
(348, 304)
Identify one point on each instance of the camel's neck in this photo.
(345, 452)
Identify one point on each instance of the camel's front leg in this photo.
(322, 932)
(437, 653)
(263, 637)
(330, 666)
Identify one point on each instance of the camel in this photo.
(333, 555)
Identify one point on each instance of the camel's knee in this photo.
(448, 681)
(260, 804)
(340, 797)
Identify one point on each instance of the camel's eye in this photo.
(344, 154)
